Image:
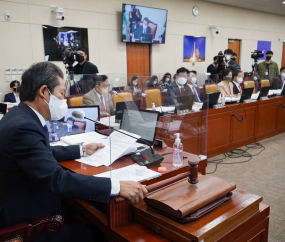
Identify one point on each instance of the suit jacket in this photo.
(211, 69)
(91, 98)
(226, 88)
(9, 97)
(64, 131)
(235, 89)
(31, 180)
(138, 33)
(198, 93)
(173, 92)
(277, 83)
(88, 68)
(233, 65)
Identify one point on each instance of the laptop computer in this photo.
(129, 105)
(184, 103)
(263, 92)
(141, 122)
(146, 38)
(246, 94)
(210, 100)
(118, 88)
(3, 108)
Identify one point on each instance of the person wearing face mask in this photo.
(153, 82)
(99, 96)
(134, 86)
(69, 129)
(228, 63)
(213, 67)
(177, 89)
(237, 81)
(32, 183)
(13, 97)
(84, 66)
(279, 80)
(165, 81)
(192, 84)
(268, 69)
(234, 58)
(143, 29)
(226, 86)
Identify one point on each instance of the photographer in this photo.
(268, 68)
(212, 68)
(84, 66)
(228, 63)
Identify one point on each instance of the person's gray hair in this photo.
(39, 74)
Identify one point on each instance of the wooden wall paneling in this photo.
(283, 55)
(236, 48)
(280, 121)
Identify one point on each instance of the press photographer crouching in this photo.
(84, 66)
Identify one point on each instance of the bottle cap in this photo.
(177, 140)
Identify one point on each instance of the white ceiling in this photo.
(267, 6)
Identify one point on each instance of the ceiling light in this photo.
(284, 2)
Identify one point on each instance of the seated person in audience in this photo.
(192, 83)
(99, 96)
(237, 81)
(179, 90)
(279, 80)
(13, 97)
(69, 128)
(175, 77)
(134, 86)
(226, 86)
(153, 82)
(213, 67)
(143, 29)
(165, 81)
(32, 183)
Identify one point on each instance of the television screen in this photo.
(57, 39)
(143, 24)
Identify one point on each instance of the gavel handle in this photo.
(159, 185)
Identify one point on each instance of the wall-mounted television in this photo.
(143, 24)
(58, 38)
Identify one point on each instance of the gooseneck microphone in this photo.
(144, 95)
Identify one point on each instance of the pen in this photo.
(144, 157)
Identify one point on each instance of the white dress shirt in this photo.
(115, 183)
(17, 98)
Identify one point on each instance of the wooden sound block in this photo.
(181, 198)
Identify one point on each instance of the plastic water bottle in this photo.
(177, 152)
(223, 99)
(153, 107)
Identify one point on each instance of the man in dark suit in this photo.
(192, 84)
(178, 89)
(69, 128)
(84, 66)
(237, 81)
(13, 97)
(279, 80)
(32, 182)
(143, 29)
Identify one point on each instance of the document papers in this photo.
(128, 173)
(115, 146)
(81, 138)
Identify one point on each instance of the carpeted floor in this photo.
(264, 175)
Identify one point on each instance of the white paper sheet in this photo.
(128, 173)
(118, 143)
(81, 138)
(164, 109)
(197, 106)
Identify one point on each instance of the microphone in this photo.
(144, 95)
(149, 155)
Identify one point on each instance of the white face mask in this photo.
(239, 80)
(167, 79)
(193, 80)
(283, 75)
(228, 57)
(154, 83)
(182, 80)
(57, 107)
(144, 26)
(104, 91)
(255, 78)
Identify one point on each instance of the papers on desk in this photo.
(116, 146)
(254, 96)
(232, 99)
(89, 137)
(164, 109)
(112, 119)
(128, 173)
(277, 92)
(197, 106)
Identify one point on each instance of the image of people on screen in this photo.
(143, 24)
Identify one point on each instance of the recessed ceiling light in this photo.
(284, 2)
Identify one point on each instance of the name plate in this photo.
(216, 106)
(184, 111)
(264, 98)
(249, 101)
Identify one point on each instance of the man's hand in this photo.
(133, 191)
(91, 148)
(224, 63)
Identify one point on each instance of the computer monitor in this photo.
(118, 88)
(184, 103)
(246, 94)
(283, 90)
(68, 126)
(129, 105)
(3, 108)
(210, 100)
(263, 92)
(141, 122)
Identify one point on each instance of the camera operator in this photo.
(228, 63)
(212, 68)
(84, 66)
(268, 68)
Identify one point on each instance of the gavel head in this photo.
(193, 167)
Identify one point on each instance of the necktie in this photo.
(102, 104)
(46, 131)
(182, 91)
(197, 99)
(240, 90)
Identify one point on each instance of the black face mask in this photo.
(234, 59)
(16, 89)
(80, 58)
(268, 57)
(228, 78)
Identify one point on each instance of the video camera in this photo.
(69, 56)
(257, 54)
(221, 58)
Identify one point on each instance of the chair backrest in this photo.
(75, 100)
(155, 95)
(126, 95)
(81, 125)
(25, 232)
(264, 83)
(249, 84)
(211, 88)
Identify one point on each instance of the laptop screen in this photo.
(143, 123)
(68, 126)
